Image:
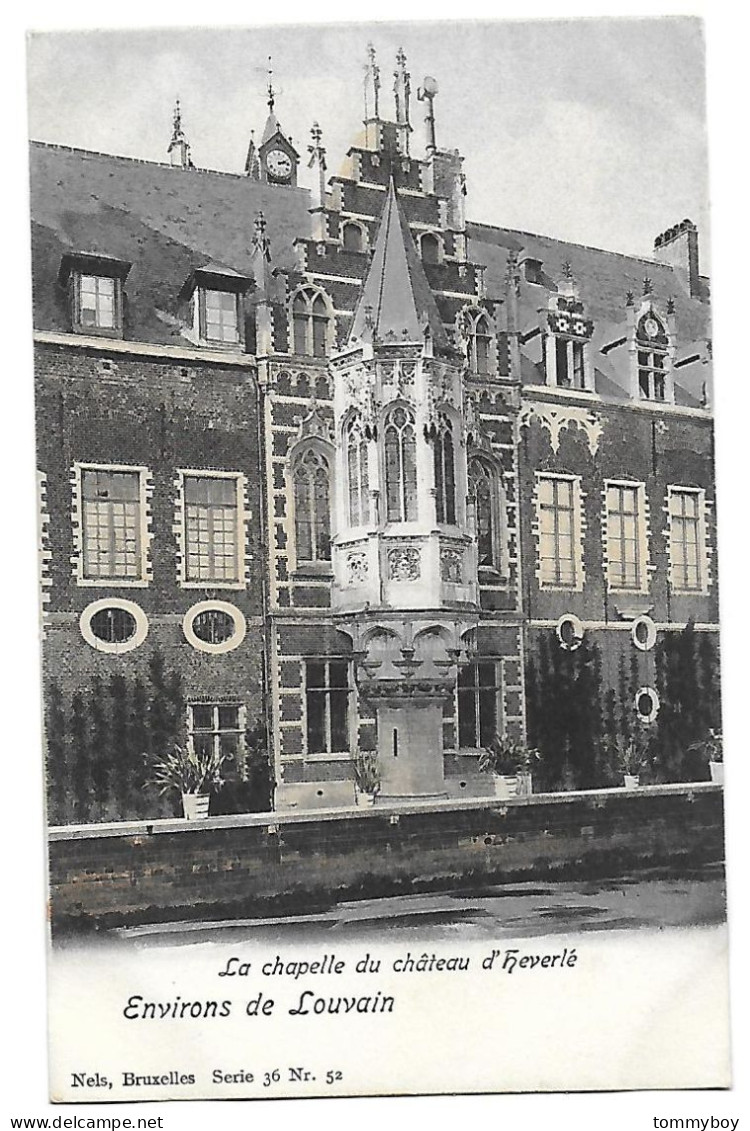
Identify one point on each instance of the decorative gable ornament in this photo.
(554, 419)
(315, 426)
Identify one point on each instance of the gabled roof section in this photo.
(396, 303)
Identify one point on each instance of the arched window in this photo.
(445, 473)
(310, 323)
(357, 474)
(312, 508)
(482, 489)
(430, 248)
(653, 344)
(479, 344)
(400, 444)
(353, 238)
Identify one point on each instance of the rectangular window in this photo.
(217, 728)
(327, 706)
(625, 545)
(558, 531)
(651, 375)
(579, 366)
(97, 302)
(477, 704)
(111, 524)
(211, 525)
(220, 317)
(686, 539)
(561, 362)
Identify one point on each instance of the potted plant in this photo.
(510, 762)
(366, 777)
(631, 761)
(712, 748)
(193, 775)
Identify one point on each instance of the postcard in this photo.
(378, 560)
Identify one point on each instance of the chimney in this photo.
(678, 246)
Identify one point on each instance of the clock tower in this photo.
(275, 160)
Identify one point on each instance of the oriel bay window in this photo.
(312, 507)
(111, 522)
(213, 543)
(478, 689)
(327, 706)
(400, 444)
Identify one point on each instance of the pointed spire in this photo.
(179, 148)
(252, 161)
(397, 303)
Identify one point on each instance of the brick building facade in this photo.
(343, 471)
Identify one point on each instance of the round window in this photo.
(214, 626)
(646, 704)
(570, 632)
(113, 625)
(643, 633)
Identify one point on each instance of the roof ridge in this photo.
(568, 243)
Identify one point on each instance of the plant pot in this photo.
(364, 800)
(506, 785)
(524, 784)
(717, 772)
(631, 781)
(195, 805)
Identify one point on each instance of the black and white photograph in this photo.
(378, 568)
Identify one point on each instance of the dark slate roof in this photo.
(165, 221)
(396, 296)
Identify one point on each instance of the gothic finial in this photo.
(260, 240)
(178, 148)
(670, 305)
(271, 91)
(647, 286)
(567, 270)
(630, 299)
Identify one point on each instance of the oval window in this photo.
(214, 626)
(646, 704)
(113, 625)
(643, 633)
(570, 632)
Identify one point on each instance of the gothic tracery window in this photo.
(357, 474)
(479, 343)
(445, 473)
(482, 489)
(312, 508)
(310, 323)
(400, 446)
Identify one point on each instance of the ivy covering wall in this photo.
(580, 725)
(101, 744)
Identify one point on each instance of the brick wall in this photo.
(256, 866)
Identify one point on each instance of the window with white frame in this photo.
(357, 473)
(478, 689)
(312, 507)
(327, 694)
(687, 539)
(559, 540)
(97, 302)
(111, 503)
(626, 536)
(219, 316)
(400, 448)
(212, 528)
(216, 728)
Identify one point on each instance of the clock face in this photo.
(279, 164)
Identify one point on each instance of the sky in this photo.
(590, 130)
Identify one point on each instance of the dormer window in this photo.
(653, 358)
(95, 293)
(216, 307)
(569, 333)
